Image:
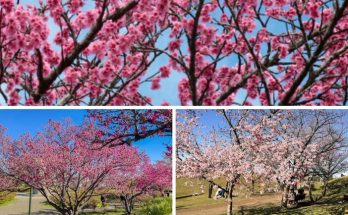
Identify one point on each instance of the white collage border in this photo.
(174, 109)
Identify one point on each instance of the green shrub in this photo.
(157, 206)
(6, 197)
(94, 202)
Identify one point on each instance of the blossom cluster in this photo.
(275, 147)
(81, 52)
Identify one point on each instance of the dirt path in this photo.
(20, 206)
(221, 208)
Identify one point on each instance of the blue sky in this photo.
(18, 122)
(210, 119)
(207, 117)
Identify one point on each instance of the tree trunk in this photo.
(310, 190)
(226, 188)
(253, 186)
(229, 199)
(127, 205)
(76, 209)
(64, 211)
(210, 190)
(285, 196)
(325, 188)
(131, 204)
(76, 212)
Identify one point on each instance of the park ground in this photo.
(18, 204)
(200, 204)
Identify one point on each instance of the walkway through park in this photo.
(20, 206)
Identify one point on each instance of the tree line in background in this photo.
(106, 52)
(69, 164)
(270, 147)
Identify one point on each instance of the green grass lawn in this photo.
(332, 204)
(186, 187)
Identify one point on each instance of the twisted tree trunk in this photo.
(128, 203)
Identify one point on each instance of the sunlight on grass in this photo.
(332, 204)
(6, 198)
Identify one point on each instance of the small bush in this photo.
(157, 206)
(94, 202)
(6, 197)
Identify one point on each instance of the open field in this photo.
(332, 204)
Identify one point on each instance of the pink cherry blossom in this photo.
(64, 163)
(143, 178)
(80, 52)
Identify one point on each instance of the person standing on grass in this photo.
(102, 199)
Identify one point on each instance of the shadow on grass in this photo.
(332, 204)
(115, 212)
(188, 196)
(260, 211)
(42, 212)
(271, 209)
(305, 208)
(183, 207)
(94, 213)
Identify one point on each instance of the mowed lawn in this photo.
(258, 204)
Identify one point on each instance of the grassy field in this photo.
(332, 204)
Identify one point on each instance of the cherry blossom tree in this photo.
(118, 127)
(228, 153)
(7, 184)
(142, 178)
(332, 159)
(330, 164)
(272, 145)
(63, 163)
(225, 52)
(307, 135)
(162, 171)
